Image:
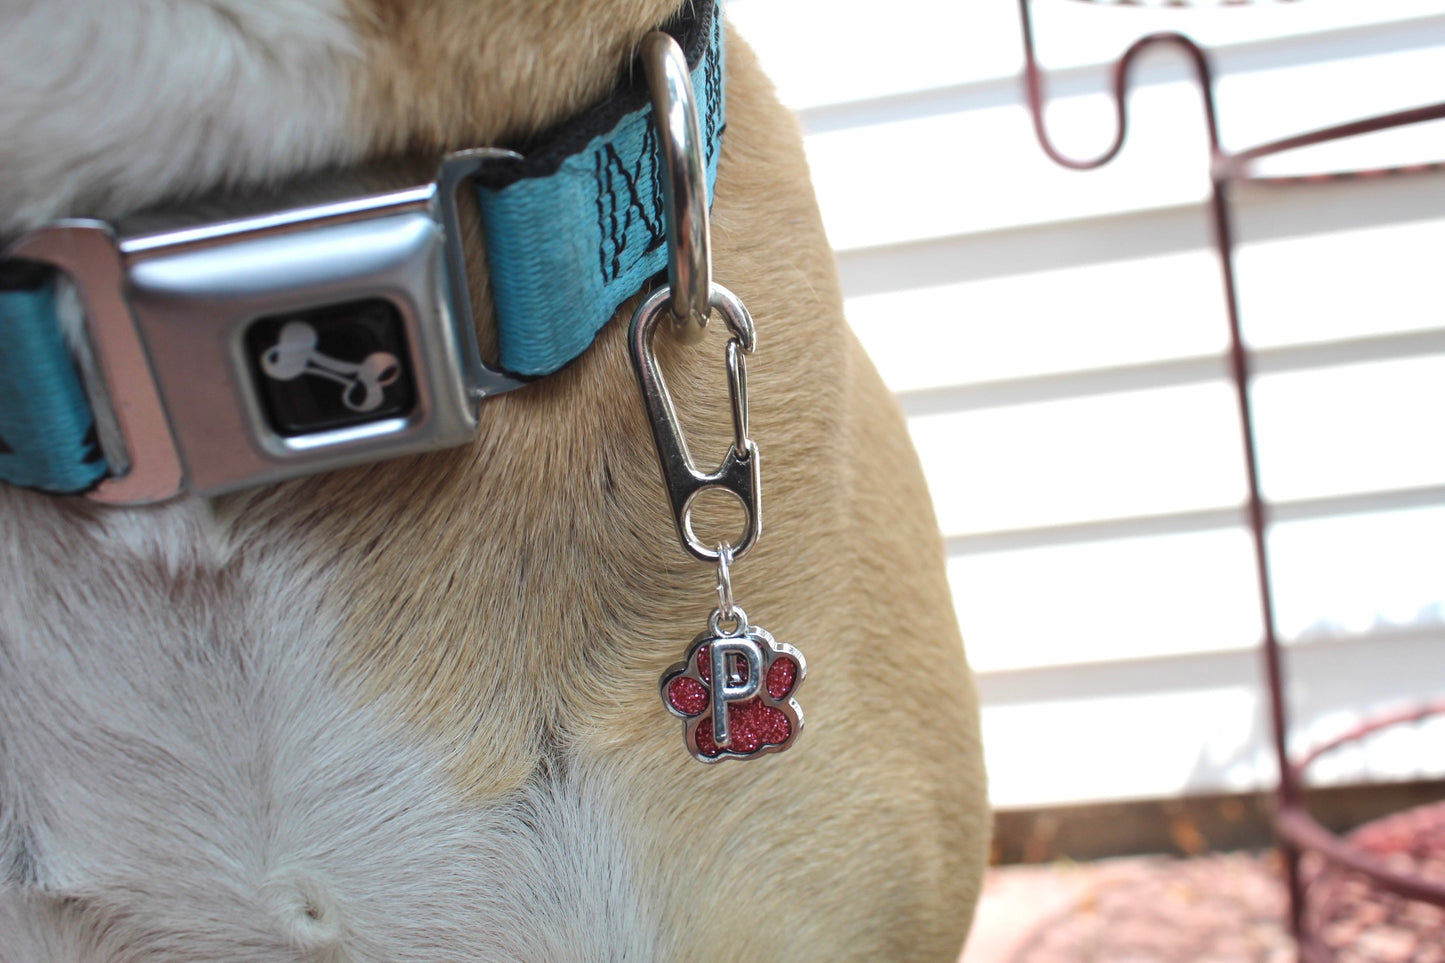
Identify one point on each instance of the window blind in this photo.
(1055, 339)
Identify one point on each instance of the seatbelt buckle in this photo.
(253, 350)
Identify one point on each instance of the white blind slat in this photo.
(1056, 340)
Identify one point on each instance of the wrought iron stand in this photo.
(1296, 830)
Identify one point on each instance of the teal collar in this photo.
(573, 226)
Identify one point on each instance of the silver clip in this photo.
(738, 473)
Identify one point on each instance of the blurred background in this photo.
(1056, 340)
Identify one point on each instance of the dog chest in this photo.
(184, 777)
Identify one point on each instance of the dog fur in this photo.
(409, 711)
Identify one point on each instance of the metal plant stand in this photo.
(1296, 830)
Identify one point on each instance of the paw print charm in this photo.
(734, 692)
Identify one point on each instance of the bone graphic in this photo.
(294, 354)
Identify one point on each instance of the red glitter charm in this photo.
(760, 718)
(687, 696)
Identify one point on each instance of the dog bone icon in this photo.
(294, 354)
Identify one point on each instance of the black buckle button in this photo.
(331, 367)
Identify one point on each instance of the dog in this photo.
(409, 710)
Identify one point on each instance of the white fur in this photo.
(182, 776)
(108, 105)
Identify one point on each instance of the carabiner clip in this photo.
(738, 472)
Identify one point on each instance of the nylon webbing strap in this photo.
(576, 227)
(47, 435)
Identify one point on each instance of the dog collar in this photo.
(252, 350)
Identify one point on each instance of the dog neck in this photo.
(258, 94)
(578, 199)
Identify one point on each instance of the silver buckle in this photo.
(204, 337)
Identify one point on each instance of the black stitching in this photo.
(712, 84)
(633, 206)
(656, 228)
(601, 215)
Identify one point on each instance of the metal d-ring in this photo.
(684, 184)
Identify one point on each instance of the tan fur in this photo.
(523, 596)
(514, 602)
(519, 66)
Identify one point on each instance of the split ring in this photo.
(725, 604)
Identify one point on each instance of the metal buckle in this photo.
(203, 335)
(87, 252)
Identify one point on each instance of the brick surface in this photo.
(1219, 908)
